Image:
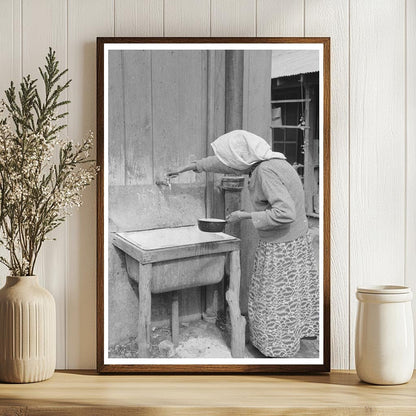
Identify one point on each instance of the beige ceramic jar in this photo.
(27, 331)
(384, 341)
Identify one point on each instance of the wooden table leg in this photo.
(238, 322)
(175, 318)
(211, 303)
(145, 305)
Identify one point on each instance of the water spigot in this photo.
(163, 182)
(166, 181)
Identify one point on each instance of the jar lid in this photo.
(384, 289)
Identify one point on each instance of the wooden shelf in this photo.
(86, 393)
(296, 100)
(290, 127)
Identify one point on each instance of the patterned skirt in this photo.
(283, 304)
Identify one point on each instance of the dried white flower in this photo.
(42, 176)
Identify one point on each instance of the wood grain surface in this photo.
(85, 18)
(280, 18)
(187, 18)
(377, 177)
(85, 393)
(362, 35)
(410, 261)
(138, 17)
(36, 40)
(245, 368)
(331, 18)
(233, 17)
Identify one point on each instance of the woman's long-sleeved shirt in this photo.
(277, 196)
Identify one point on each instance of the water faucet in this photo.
(166, 181)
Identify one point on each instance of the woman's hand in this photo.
(237, 216)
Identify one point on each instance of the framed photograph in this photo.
(213, 250)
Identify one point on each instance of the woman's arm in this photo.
(214, 165)
(282, 207)
(186, 168)
(207, 164)
(236, 216)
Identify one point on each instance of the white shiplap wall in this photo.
(373, 131)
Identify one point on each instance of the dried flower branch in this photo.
(41, 176)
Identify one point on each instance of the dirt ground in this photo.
(199, 339)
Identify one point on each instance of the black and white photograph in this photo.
(213, 204)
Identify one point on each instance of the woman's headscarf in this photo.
(240, 149)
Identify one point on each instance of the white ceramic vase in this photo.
(27, 331)
(384, 338)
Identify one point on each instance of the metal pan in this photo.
(211, 225)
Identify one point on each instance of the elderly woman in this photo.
(283, 304)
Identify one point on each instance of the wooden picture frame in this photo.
(140, 263)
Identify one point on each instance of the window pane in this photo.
(292, 114)
(278, 147)
(291, 152)
(291, 135)
(278, 135)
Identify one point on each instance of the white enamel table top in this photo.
(173, 237)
